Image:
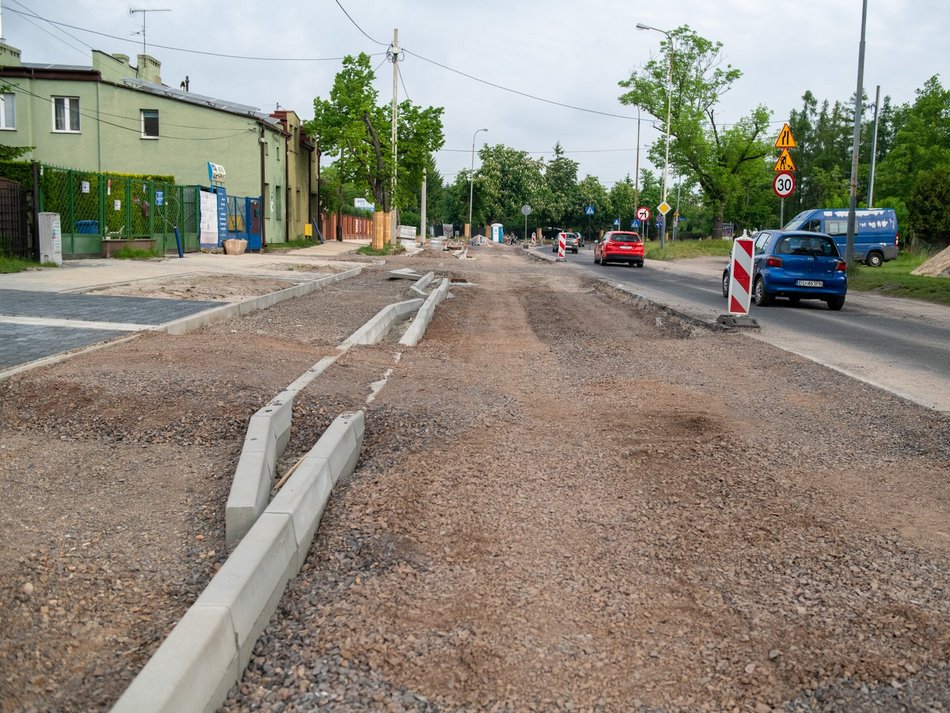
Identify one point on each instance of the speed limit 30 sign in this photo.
(783, 185)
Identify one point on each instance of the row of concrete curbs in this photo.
(208, 650)
(252, 304)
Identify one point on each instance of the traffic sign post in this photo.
(561, 246)
(526, 211)
(784, 183)
(643, 213)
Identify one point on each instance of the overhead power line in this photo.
(519, 93)
(348, 17)
(184, 49)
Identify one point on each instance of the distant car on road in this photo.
(619, 246)
(797, 265)
(570, 242)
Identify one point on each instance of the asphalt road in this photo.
(900, 345)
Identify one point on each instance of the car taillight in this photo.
(774, 262)
(842, 266)
(897, 239)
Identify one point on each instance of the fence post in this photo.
(37, 207)
(70, 222)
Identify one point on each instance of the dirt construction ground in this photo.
(565, 501)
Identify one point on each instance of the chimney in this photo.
(150, 69)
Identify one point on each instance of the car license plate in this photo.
(810, 283)
(625, 247)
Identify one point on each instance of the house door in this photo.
(253, 223)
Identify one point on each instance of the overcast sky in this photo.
(560, 50)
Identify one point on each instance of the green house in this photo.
(112, 117)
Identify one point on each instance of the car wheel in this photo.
(874, 260)
(835, 303)
(725, 285)
(794, 300)
(762, 298)
(639, 264)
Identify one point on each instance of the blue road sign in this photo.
(617, 222)
(634, 223)
(589, 210)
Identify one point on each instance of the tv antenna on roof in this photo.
(143, 11)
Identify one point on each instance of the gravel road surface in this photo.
(565, 501)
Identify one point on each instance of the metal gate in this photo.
(15, 238)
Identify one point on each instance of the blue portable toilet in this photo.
(497, 233)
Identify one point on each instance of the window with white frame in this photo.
(7, 111)
(65, 113)
(149, 123)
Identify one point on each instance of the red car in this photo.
(619, 246)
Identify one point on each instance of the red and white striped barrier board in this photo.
(740, 277)
(561, 245)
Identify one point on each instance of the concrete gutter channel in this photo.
(207, 651)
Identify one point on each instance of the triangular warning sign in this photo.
(785, 139)
(784, 162)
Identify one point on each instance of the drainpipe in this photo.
(263, 142)
(287, 187)
(309, 190)
(319, 207)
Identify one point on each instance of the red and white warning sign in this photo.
(740, 277)
(561, 245)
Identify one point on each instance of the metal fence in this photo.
(15, 238)
(96, 206)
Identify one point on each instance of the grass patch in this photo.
(290, 245)
(15, 264)
(683, 249)
(390, 249)
(136, 254)
(893, 279)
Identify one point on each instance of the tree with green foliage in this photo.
(620, 204)
(929, 205)
(560, 195)
(921, 142)
(352, 127)
(506, 180)
(723, 158)
(591, 192)
(823, 154)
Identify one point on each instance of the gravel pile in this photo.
(564, 502)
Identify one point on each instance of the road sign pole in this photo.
(781, 213)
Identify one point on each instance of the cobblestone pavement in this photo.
(36, 325)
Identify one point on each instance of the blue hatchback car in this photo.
(797, 265)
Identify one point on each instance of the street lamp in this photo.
(471, 183)
(669, 106)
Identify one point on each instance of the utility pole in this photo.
(394, 57)
(422, 211)
(856, 145)
(877, 107)
(636, 177)
(144, 10)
